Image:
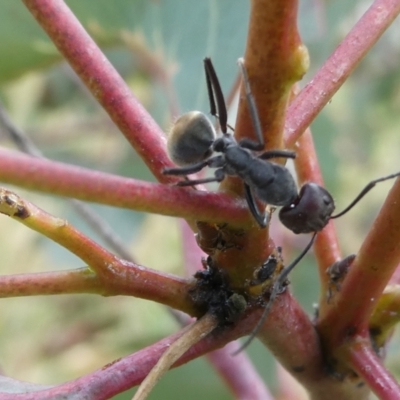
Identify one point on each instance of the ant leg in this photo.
(277, 154)
(251, 104)
(219, 176)
(259, 217)
(276, 289)
(213, 162)
(364, 192)
(190, 169)
(214, 89)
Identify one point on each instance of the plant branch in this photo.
(316, 94)
(326, 246)
(100, 226)
(117, 276)
(67, 180)
(103, 81)
(369, 367)
(129, 371)
(275, 59)
(239, 373)
(369, 274)
(81, 280)
(292, 338)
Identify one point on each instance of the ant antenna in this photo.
(214, 89)
(251, 103)
(276, 289)
(364, 192)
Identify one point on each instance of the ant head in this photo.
(191, 139)
(310, 212)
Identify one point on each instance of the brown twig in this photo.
(191, 334)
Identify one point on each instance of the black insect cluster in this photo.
(212, 294)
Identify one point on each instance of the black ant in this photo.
(192, 142)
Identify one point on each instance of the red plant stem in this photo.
(123, 278)
(369, 274)
(299, 350)
(84, 184)
(275, 59)
(312, 99)
(292, 338)
(369, 367)
(326, 246)
(239, 373)
(103, 81)
(127, 372)
(80, 280)
(192, 254)
(117, 276)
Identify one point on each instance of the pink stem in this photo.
(326, 246)
(67, 180)
(46, 283)
(369, 366)
(313, 98)
(103, 81)
(239, 373)
(369, 274)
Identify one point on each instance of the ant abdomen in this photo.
(191, 138)
(310, 212)
(279, 190)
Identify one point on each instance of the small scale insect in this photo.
(213, 294)
(277, 288)
(337, 272)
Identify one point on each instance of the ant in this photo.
(193, 141)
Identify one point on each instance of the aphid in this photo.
(337, 272)
(213, 294)
(277, 288)
(263, 179)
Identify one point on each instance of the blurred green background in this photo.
(158, 47)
